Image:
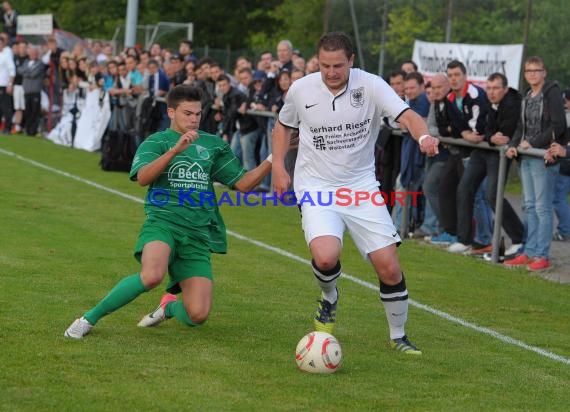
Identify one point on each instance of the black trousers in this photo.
(450, 177)
(32, 113)
(6, 109)
(483, 163)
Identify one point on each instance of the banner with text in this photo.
(480, 60)
(38, 24)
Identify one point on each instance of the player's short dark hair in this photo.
(415, 76)
(183, 93)
(334, 41)
(454, 64)
(499, 76)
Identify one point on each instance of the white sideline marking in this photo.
(299, 259)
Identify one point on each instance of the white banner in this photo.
(35, 24)
(480, 60)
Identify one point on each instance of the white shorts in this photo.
(370, 226)
(18, 96)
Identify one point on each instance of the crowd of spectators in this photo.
(459, 185)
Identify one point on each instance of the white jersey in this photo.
(337, 133)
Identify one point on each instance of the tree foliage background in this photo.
(250, 26)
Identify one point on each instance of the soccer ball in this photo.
(318, 352)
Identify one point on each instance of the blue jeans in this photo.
(266, 151)
(538, 193)
(236, 145)
(431, 193)
(248, 144)
(561, 206)
(483, 215)
(413, 211)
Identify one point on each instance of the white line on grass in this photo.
(292, 256)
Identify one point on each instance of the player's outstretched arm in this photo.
(149, 173)
(254, 177)
(419, 130)
(281, 139)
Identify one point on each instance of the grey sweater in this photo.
(33, 75)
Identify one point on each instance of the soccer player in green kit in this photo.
(183, 225)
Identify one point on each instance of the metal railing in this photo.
(498, 222)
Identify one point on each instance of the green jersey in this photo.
(183, 196)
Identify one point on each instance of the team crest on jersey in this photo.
(357, 97)
(203, 153)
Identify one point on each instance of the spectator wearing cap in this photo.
(178, 74)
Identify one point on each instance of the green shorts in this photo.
(189, 257)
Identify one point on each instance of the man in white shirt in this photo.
(7, 75)
(338, 112)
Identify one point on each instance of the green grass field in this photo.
(65, 243)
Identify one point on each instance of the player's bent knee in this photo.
(199, 316)
(151, 278)
(326, 263)
(391, 273)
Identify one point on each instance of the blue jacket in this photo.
(411, 157)
(163, 83)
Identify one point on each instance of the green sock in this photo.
(178, 311)
(123, 292)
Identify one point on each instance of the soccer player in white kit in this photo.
(338, 112)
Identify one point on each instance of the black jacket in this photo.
(504, 118)
(232, 101)
(553, 123)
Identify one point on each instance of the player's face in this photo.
(186, 116)
(496, 91)
(335, 67)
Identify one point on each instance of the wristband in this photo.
(270, 158)
(422, 137)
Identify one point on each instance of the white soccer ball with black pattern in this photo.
(318, 352)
